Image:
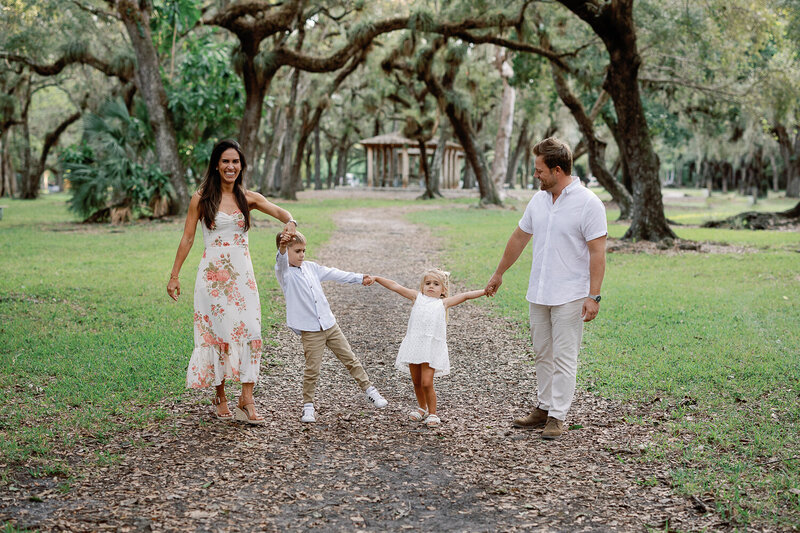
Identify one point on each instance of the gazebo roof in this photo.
(396, 140)
(387, 139)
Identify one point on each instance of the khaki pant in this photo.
(314, 343)
(557, 331)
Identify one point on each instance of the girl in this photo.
(423, 352)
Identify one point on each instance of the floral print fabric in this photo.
(227, 310)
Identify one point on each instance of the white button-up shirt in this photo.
(307, 309)
(561, 229)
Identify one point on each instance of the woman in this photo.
(227, 310)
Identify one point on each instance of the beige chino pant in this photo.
(556, 331)
(314, 343)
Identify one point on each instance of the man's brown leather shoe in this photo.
(553, 428)
(535, 420)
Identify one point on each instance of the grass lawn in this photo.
(711, 341)
(89, 339)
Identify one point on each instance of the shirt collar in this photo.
(576, 182)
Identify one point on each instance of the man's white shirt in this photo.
(307, 309)
(561, 229)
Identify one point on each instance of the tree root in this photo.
(757, 221)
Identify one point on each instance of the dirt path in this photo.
(362, 469)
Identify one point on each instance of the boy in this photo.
(309, 315)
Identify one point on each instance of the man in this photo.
(568, 225)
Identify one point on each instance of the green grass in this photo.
(89, 339)
(712, 340)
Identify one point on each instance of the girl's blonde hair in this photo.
(439, 274)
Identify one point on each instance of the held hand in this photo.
(590, 309)
(174, 288)
(286, 237)
(368, 280)
(494, 283)
(290, 228)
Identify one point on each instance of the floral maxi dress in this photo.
(227, 310)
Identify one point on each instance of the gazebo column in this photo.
(385, 166)
(392, 165)
(405, 166)
(453, 169)
(369, 166)
(447, 171)
(453, 182)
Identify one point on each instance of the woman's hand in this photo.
(174, 288)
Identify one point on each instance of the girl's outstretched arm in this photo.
(396, 287)
(456, 299)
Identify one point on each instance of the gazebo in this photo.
(381, 157)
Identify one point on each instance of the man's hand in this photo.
(494, 283)
(368, 280)
(590, 309)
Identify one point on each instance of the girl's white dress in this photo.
(426, 337)
(227, 309)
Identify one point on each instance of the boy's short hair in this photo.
(297, 238)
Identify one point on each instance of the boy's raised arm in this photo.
(463, 297)
(396, 287)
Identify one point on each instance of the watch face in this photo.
(597, 299)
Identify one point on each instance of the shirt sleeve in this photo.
(594, 223)
(526, 222)
(334, 274)
(281, 266)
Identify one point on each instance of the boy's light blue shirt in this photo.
(307, 309)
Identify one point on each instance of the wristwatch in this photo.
(292, 221)
(595, 297)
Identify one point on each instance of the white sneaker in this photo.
(375, 398)
(308, 413)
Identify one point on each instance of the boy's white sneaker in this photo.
(375, 398)
(308, 414)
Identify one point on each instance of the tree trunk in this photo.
(469, 177)
(50, 140)
(790, 152)
(8, 179)
(423, 165)
(432, 175)
(611, 122)
(29, 189)
(317, 160)
(527, 171)
(329, 159)
(513, 164)
(460, 120)
(151, 87)
(503, 138)
(272, 146)
(272, 180)
(613, 23)
(341, 165)
(438, 162)
(288, 179)
(773, 163)
(596, 148)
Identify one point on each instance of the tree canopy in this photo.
(649, 92)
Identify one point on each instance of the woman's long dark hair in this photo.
(211, 188)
